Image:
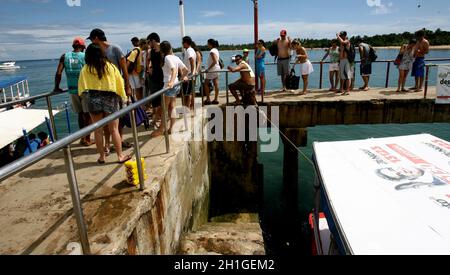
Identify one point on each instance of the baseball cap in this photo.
(246, 51)
(283, 32)
(79, 41)
(97, 33)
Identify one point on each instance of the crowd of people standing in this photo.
(103, 79)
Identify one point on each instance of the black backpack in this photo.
(133, 64)
(372, 54)
(221, 64)
(351, 53)
(274, 49)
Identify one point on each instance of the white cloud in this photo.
(51, 41)
(379, 8)
(209, 14)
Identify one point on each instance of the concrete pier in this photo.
(35, 207)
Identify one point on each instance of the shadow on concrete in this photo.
(63, 219)
(393, 92)
(89, 197)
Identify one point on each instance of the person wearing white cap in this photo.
(246, 57)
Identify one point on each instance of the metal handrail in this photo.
(64, 144)
(31, 98)
(47, 97)
(388, 70)
(27, 161)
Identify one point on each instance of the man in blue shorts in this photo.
(421, 49)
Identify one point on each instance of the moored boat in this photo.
(9, 66)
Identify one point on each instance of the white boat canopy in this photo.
(14, 121)
(387, 196)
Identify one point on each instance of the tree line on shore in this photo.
(436, 38)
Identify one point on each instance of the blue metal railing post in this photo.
(50, 130)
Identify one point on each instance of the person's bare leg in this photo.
(216, 89)
(99, 137)
(88, 122)
(331, 74)
(235, 94)
(207, 91)
(342, 86)
(139, 93)
(283, 82)
(417, 84)
(400, 81)
(158, 132)
(421, 81)
(337, 80)
(405, 76)
(171, 107)
(263, 84)
(347, 87)
(305, 84)
(107, 138)
(366, 83)
(117, 139)
(192, 102)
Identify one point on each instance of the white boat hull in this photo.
(8, 68)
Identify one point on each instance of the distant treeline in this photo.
(436, 38)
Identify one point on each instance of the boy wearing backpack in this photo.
(368, 56)
(347, 58)
(134, 65)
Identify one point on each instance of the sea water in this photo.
(41, 79)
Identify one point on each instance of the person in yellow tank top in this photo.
(102, 87)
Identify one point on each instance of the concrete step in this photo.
(224, 239)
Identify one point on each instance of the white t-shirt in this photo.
(188, 54)
(172, 62)
(211, 61)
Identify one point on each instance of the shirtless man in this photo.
(246, 84)
(284, 57)
(421, 49)
(344, 64)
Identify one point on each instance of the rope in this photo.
(289, 141)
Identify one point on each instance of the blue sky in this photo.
(33, 29)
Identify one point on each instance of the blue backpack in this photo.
(141, 118)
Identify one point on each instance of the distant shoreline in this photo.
(442, 47)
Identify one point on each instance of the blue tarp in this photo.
(8, 82)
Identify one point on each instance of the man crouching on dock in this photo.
(245, 85)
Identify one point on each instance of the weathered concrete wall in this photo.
(305, 114)
(181, 205)
(120, 218)
(234, 187)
